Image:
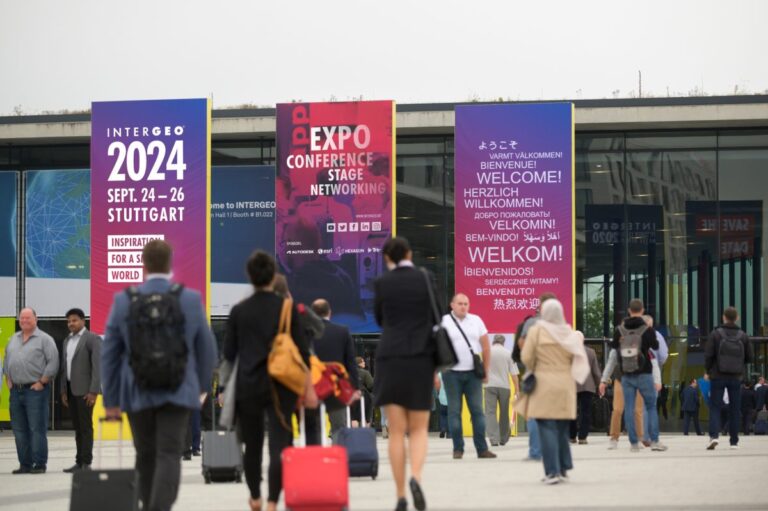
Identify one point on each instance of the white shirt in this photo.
(501, 367)
(74, 340)
(474, 329)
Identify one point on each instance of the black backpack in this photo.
(730, 352)
(158, 344)
(631, 349)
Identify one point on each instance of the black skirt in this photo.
(406, 382)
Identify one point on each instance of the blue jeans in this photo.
(465, 383)
(443, 418)
(716, 392)
(555, 447)
(643, 383)
(534, 443)
(30, 410)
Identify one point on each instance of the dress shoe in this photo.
(402, 505)
(22, 470)
(418, 496)
(442, 434)
(583, 441)
(186, 456)
(37, 470)
(72, 469)
(457, 455)
(486, 455)
(85, 467)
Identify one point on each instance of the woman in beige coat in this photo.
(554, 353)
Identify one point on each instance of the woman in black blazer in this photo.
(251, 328)
(405, 367)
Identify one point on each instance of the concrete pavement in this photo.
(687, 477)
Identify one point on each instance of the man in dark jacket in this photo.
(725, 355)
(748, 405)
(638, 377)
(690, 407)
(335, 345)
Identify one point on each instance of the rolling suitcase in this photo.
(362, 453)
(315, 478)
(222, 455)
(91, 489)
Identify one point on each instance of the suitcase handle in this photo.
(100, 440)
(362, 413)
(303, 426)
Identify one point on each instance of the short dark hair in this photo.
(359, 359)
(321, 307)
(731, 314)
(261, 268)
(77, 312)
(156, 256)
(396, 249)
(636, 305)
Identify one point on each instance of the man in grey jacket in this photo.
(80, 384)
(585, 393)
(31, 362)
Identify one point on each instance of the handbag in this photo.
(477, 363)
(285, 364)
(528, 385)
(445, 355)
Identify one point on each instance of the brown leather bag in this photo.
(285, 364)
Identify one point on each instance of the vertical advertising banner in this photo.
(150, 174)
(514, 209)
(7, 329)
(8, 217)
(335, 202)
(242, 220)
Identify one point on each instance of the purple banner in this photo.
(514, 209)
(335, 202)
(150, 174)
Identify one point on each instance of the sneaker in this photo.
(712, 444)
(195, 453)
(734, 447)
(22, 470)
(486, 454)
(657, 446)
(37, 470)
(583, 442)
(564, 477)
(551, 479)
(634, 448)
(613, 445)
(573, 440)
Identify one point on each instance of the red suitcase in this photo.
(315, 478)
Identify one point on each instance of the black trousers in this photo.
(251, 416)
(158, 435)
(687, 422)
(82, 421)
(583, 420)
(747, 420)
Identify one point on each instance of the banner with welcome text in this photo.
(335, 202)
(150, 179)
(514, 211)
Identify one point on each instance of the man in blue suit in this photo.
(690, 407)
(158, 413)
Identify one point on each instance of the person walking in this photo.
(585, 393)
(690, 406)
(31, 362)
(158, 402)
(465, 380)
(251, 329)
(748, 408)
(80, 384)
(554, 353)
(633, 340)
(442, 407)
(498, 393)
(403, 309)
(726, 353)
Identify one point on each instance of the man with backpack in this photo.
(156, 363)
(725, 356)
(633, 340)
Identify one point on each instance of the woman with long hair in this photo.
(404, 364)
(554, 353)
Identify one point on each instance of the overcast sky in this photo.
(57, 55)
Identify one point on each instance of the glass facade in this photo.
(676, 218)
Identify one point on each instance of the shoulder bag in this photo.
(477, 363)
(445, 355)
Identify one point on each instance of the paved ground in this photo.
(686, 477)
